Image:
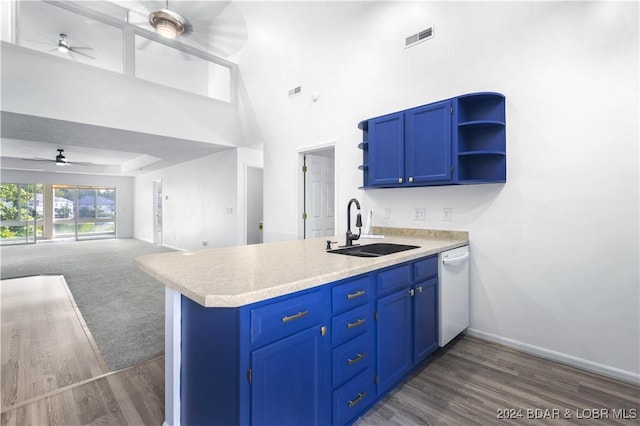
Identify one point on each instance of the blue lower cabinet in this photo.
(352, 358)
(395, 338)
(425, 331)
(407, 320)
(316, 357)
(289, 381)
(351, 399)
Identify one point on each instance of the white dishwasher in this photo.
(453, 294)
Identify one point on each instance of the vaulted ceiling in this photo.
(114, 151)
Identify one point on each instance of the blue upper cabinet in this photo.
(386, 155)
(428, 147)
(461, 140)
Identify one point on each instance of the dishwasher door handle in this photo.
(452, 260)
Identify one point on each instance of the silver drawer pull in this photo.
(357, 399)
(358, 357)
(295, 316)
(356, 294)
(355, 324)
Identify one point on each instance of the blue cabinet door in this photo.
(425, 311)
(290, 381)
(386, 150)
(395, 338)
(428, 143)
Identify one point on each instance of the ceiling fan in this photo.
(65, 47)
(218, 26)
(60, 160)
(167, 23)
(62, 45)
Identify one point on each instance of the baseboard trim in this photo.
(173, 247)
(572, 361)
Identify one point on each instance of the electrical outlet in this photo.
(446, 214)
(419, 214)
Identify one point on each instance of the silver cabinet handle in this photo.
(410, 179)
(399, 180)
(358, 357)
(355, 324)
(295, 316)
(357, 399)
(356, 294)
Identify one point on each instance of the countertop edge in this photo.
(210, 299)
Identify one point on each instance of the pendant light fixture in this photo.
(167, 23)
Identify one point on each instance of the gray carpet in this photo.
(122, 306)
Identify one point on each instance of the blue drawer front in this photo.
(350, 294)
(350, 399)
(280, 319)
(426, 268)
(351, 358)
(394, 279)
(350, 324)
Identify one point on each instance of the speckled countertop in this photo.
(237, 276)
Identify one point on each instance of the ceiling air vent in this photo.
(423, 35)
(295, 91)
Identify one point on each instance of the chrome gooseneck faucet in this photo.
(351, 237)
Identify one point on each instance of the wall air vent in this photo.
(295, 91)
(423, 35)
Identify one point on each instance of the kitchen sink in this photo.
(373, 250)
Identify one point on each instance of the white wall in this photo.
(556, 249)
(35, 83)
(124, 191)
(203, 201)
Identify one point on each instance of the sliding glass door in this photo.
(29, 212)
(21, 213)
(96, 212)
(83, 212)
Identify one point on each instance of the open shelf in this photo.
(481, 107)
(472, 129)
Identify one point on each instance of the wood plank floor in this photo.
(45, 345)
(133, 396)
(471, 382)
(52, 370)
(476, 382)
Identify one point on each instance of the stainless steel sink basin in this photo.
(373, 250)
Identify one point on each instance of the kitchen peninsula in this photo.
(287, 331)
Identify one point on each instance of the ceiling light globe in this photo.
(166, 29)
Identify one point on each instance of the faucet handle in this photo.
(329, 242)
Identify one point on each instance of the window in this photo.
(165, 65)
(83, 212)
(104, 37)
(21, 213)
(98, 44)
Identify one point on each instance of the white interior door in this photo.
(157, 212)
(254, 184)
(320, 188)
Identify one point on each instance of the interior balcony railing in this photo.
(110, 37)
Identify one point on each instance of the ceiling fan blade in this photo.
(43, 38)
(79, 163)
(145, 44)
(38, 159)
(28, 40)
(80, 47)
(74, 51)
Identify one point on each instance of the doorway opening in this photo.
(317, 182)
(157, 212)
(254, 203)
